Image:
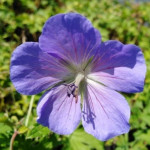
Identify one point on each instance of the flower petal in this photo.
(120, 67)
(71, 36)
(33, 71)
(105, 112)
(58, 111)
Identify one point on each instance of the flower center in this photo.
(75, 81)
(78, 79)
(73, 88)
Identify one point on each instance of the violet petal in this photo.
(120, 67)
(71, 36)
(33, 71)
(58, 111)
(105, 112)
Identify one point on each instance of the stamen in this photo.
(72, 89)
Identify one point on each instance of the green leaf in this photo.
(4, 128)
(22, 129)
(80, 140)
(38, 131)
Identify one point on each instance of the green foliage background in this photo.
(22, 20)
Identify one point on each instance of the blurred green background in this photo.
(22, 20)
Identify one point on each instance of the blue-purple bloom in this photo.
(80, 74)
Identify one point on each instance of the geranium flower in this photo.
(80, 74)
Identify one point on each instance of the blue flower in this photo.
(80, 74)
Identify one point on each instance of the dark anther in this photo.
(71, 90)
(68, 94)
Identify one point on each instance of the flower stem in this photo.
(126, 141)
(29, 110)
(12, 139)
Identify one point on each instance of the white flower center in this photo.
(78, 79)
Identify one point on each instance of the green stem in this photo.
(126, 141)
(29, 110)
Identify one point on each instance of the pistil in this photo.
(78, 79)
